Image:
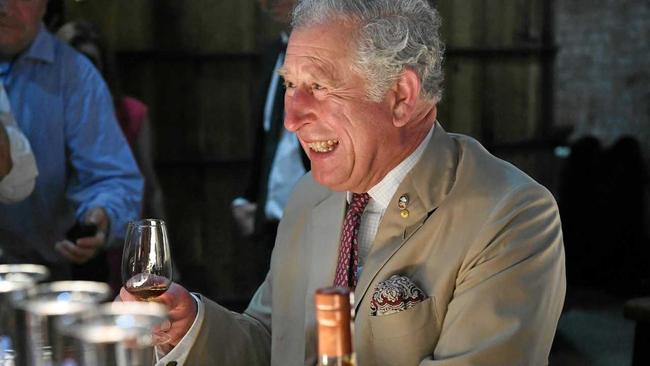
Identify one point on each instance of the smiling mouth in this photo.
(323, 146)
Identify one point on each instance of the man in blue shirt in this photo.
(86, 171)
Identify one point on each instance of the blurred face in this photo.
(92, 52)
(279, 9)
(350, 140)
(19, 23)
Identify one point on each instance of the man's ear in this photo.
(406, 92)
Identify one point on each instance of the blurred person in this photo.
(455, 256)
(89, 185)
(132, 114)
(278, 161)
(625, 183)
(581, 199)
(133, 117)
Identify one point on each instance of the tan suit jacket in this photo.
(483, 241)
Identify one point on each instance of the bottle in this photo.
(334, 327)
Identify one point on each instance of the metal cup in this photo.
(117, 334)
(37, 311)
(15, 279)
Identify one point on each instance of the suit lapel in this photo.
(326, 216)
(323, 238)
(426, 185)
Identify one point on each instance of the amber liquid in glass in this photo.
(147, 286)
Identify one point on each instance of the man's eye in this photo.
(289, 85)
(317, 86)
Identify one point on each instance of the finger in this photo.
(165, 326)
(126, 296)
(72, 252)
(98, 217)
(59, 247)
(91, 242)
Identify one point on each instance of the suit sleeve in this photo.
(230, 338)
(510, 293)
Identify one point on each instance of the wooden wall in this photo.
(192, 62)
(498, 70)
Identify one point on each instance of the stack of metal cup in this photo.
(15, 280)
(37, 310)
(116, 334)
(62, 324)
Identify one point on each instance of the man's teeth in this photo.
(323, 146)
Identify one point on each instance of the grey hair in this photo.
(391, 35)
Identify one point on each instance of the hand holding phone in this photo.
(81, 230)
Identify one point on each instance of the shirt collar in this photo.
(42, 48)
(383, 191)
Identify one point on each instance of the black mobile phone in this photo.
(81, 230)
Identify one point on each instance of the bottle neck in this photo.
(334, 327)
(334, 337)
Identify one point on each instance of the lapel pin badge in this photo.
(402, 203)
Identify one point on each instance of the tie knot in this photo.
(359, 202)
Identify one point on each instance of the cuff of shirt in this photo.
(240, 201)
(180, 352)
(19, 183)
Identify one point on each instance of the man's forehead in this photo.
(309, 65)
(317, 50)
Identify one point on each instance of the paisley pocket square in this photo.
(395, 294)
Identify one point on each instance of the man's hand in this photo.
(244, 214)
(182, 311)
(87, 247)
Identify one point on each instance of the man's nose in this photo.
(299, 109)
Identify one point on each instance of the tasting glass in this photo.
(146, 263)
(146, 260)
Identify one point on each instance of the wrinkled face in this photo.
(347, 137)
(19, 23)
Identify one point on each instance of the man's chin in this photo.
(7, 52)
(330, 181)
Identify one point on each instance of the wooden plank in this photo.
(512, 91)
(460, 109)
(494, 23)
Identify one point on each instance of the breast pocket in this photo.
(406, 337)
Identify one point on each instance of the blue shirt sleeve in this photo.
(103, 170)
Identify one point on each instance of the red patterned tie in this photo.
(346, 270)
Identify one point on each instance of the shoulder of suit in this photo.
(479, 168)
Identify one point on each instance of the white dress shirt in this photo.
(380, 196)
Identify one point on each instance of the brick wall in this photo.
(602, 69)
